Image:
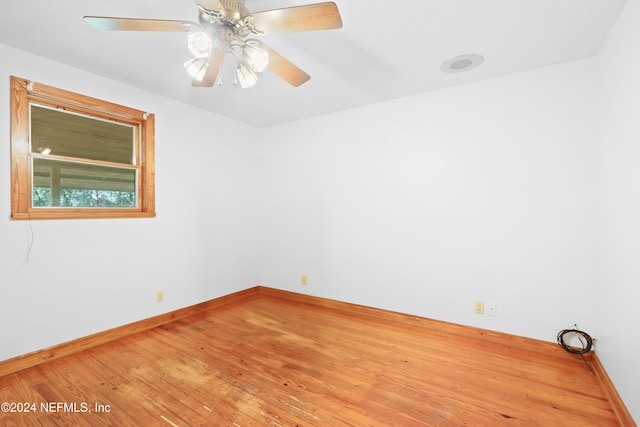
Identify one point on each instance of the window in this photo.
(73, 156)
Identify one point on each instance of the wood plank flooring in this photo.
(272, 361)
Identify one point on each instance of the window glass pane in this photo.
(67, 134)
(69, 184)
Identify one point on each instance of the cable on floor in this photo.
(585, 340)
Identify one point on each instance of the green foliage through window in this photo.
(70, 197)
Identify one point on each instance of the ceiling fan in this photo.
(226, 27)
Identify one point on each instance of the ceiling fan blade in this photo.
(285, 69)
(215, 61)
(319, 16)
(134, 24)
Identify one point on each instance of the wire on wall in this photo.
(29, 242)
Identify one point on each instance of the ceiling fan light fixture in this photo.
(245, 76)
(255, 57)
(199, 44)
(197, 67)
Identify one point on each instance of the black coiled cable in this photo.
(583, 337)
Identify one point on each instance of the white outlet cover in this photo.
(491, 309)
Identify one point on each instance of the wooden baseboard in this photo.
(423, 322)
(41, 356)
(621, 411)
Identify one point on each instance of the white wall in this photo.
(425, 204)
(90, 275)
(619, 288)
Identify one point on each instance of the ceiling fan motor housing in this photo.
(225, 25)
(232, 13)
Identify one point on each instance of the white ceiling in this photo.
(385, 50)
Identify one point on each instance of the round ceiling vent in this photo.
(461, 63)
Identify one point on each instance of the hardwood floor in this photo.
(271, 361)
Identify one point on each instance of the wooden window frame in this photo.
(24, 92)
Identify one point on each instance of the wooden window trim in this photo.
(23, 92)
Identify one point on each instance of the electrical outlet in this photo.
(303, 280)
(159, 296)
(479, 307)
(492, 309)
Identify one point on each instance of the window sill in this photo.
(82, 214)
